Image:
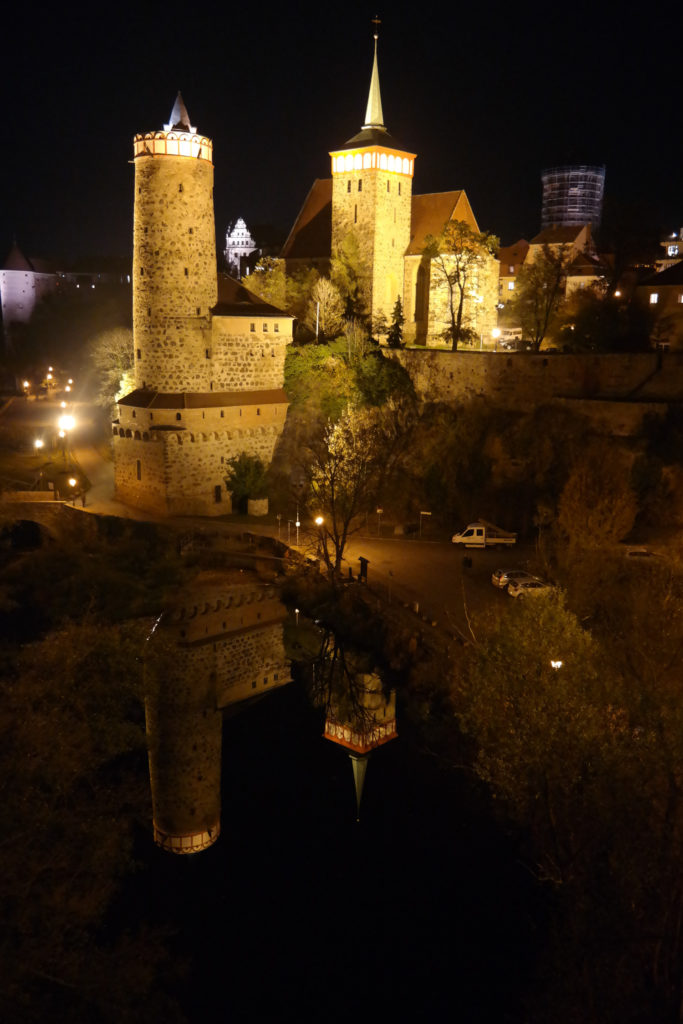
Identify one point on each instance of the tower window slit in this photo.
(187, 273)
(348, 186)
(355, 214)
(360, 184)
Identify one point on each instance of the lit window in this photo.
(679, 298)
(511, 286)
(511, 269)
(654, 298)
(672, 250)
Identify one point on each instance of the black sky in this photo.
(486, 95)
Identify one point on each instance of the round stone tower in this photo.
(174, 256)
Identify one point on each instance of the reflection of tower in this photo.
(372, 182)
(224, 644)
(572, 195)
(361, 717)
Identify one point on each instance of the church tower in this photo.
(372, 179)
(174, 256)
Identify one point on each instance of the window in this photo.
(388, 186)
(511, 268)
(222, 416)
(133, 413)
(360, 184)
(138, 469)
(149, 311)
(654, 298)
(679, 297)
(399, 188)
(187, 273)
(265, 328)
(276, 328)
(151, 416)
(672, 250)
(178, 416)
(355, 214)
(180, 188)
(190, 231)
(258, 412)
(206, 352)
(348, 186)
(142, 271)
(252, 327)
(199, 310)
(139, 353)
(511, 286)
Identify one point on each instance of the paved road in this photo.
(424, 573)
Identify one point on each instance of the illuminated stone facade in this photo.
(209, 356)
(371, 197)
(223, 644)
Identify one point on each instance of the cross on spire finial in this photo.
(376, 22)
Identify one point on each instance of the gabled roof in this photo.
(147, 399)
(16, 260)
(671, 277)
(585, 265)
(560, 235)
(236, 300)
(512, 255)
(430, 213)
(311, 235)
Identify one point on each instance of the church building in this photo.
(209, 356)
(370, 195)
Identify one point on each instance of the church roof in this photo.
(143, 398)
(236, 300)
(513, 255)
(373, 132)
(559, 235)
(430, 212)
(311, 235)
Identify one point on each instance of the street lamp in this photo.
(297, 524)
(423, 514)
(556, 664)
(379, 521)
(495, 334)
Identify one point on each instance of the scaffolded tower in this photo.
(572, 195)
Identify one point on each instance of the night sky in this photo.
(486, 95)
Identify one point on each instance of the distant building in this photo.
(673, 250)
(572, 195)
(23, 283)
(511, 258)
(239, 245)
(663, 294)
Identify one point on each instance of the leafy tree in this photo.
(395, 334)
(111, 357)
(539, 293)
(349, 272)
(325, 309)
(246, 479)
(268, 281)
(458, 257)
(594, 319)
(348, 467)
(358, 340)
(597, 507)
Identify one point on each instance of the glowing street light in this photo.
(556, 664)
(38, 443)
(66, 423)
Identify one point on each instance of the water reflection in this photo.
(221, 644)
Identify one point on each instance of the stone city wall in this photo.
(253, 361)
(519, 381)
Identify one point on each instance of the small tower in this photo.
(372, 180)
(174, 255)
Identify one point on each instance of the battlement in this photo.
(173, 143)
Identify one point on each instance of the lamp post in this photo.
(495, 334)
(297, 524)
(319, 521)
(423, 514)
(379, 521)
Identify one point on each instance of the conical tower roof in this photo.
(180, 119)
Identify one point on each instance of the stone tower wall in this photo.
(248, 362)
(174, 271)
(183, 473)
(380, 216)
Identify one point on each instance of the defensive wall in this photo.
(520, 381)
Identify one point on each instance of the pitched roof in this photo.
(430, 213)
(311, 235)
(16, 260)
(147, 399)
(560, 235)
(513, 255)
(672, 276)
(236, 300)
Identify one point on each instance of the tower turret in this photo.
(174, 256)
(372, 178)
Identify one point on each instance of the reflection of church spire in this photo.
(374, 117)
(361, 717)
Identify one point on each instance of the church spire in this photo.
(373, 114)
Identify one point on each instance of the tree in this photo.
(347, 471)
(595, 319)
(349, 273)
(395, 334)
(268, 281)
(458, 258)
(597, 507)
(246, 479)
(325, 312)
(357, 339)
(111, 357)
(539, 293)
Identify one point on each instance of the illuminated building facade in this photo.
(572, 195)
(238, 246)
(209, 356)
(370, 196)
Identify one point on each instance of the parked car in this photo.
(529, 588)
(502, 577)
(482, 534)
